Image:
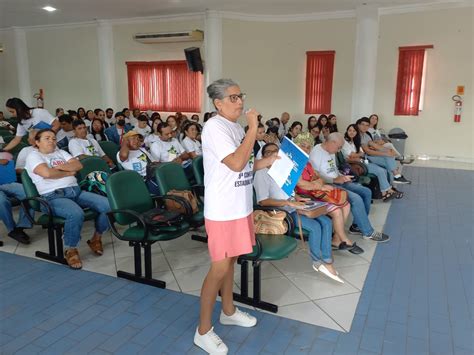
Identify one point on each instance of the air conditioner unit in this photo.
(160, 37)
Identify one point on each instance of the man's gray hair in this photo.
(218, 88)
(335, 137)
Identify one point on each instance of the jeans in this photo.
(15, 190)
(320, 236)
(68, 203)
(360, 198)
(388, 163)
(381, 174)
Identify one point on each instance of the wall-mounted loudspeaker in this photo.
(193, 58)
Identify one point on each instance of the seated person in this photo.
(4, 124)
(53, 172)
(84, 145)
(269, 194)
(115, 133)
(168, 149)
(190, 142)
(380, 139)
(325, 131)
(384, 157)
(66, 132)
(132, 157)
(21, 158)
(97, 130)
(154, 135)
(99, 114)
(109, 117)
(142, 126)
(316, 133)
(309, 181)
(13, 190)
(28, 118)
(352, 151)
(295, 129)
(323, 160)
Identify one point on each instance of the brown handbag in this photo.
(270, 222)
(176, 206)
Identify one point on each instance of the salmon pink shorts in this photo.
(227, 239)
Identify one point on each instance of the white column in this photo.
(23, 67)
(213, 52)
(105, 38)
(365, 61)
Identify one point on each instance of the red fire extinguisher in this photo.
(457, 108)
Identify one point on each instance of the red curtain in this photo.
(409, 78)
(319, 76)
(164, 86)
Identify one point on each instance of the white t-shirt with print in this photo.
(40, 119)
(137, 161)
(88, 146)
(192, 146)
(145, 132)
(56, 158)
(166, 151)
(21, 158)
(150, 139)
(324, 163)
(266, 187)
(228, 194)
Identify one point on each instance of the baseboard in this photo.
(444, 158)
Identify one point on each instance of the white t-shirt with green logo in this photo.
(88, 146)
(165, 152)
(229, 194)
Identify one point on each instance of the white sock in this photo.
(397, 176)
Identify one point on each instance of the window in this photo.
(410, 80)
(319, 75)
(164, 86)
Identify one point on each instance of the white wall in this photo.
(268, 60)
(64, 62)
(449, 64)
(8, 69)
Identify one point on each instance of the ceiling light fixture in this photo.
(49, 8)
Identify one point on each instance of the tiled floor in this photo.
(417, 297)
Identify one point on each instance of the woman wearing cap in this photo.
(53, 172)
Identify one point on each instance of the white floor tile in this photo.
(268, 271)
(310, 313)
(182, 243)
(190, 279)
(297, 262)
(316, 286)
(340, 308)
(182, 259)
(355, 275)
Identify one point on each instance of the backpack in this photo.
(270, 222)
(95, 182)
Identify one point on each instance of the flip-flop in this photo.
(341, 246)
(355, 249)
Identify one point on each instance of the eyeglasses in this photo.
(233, 98)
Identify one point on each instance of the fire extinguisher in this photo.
(39, 99)
(457, 108)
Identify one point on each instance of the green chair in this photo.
(91, 164)
(129, 199)
(5, 132)
(171, 176)
(267, 248)
(110, 149)
(198, 170)
(53, 224)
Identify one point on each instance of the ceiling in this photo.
(29, 12)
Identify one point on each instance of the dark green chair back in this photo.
(16, 150)
(90, 164)
(171, 176)
(127, 190)
(8, 139)
(4, 133)
(110, 149)
(30, 190)
(198, 170)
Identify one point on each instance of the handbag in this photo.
(270, 222)
(336, 197)
(175, 206)
(157, 218)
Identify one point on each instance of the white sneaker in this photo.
(324, 270)
(210, 342)
(242, 319)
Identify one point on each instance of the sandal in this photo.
(96, 246)
(73, 259)
(398, 194)
(388, 196)
(355, 249)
